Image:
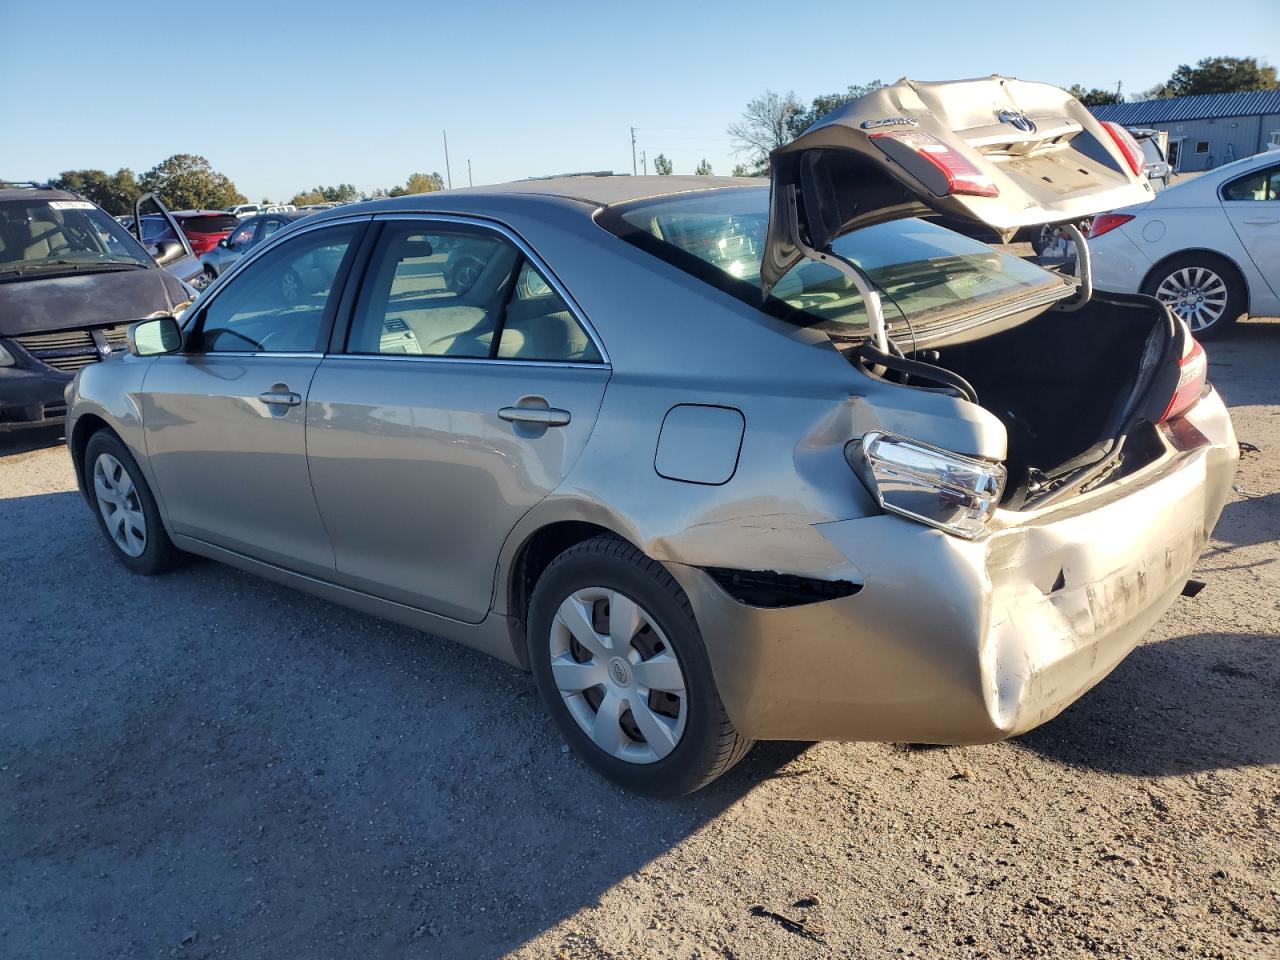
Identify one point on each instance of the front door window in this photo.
(279, 303)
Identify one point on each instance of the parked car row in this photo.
(718, 460)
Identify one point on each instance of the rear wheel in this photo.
(126, 510)
(1201, 289)
(620, 664)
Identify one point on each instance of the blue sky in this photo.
(282, 95)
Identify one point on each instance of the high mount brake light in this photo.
(1128, 146)
(1193, 373)
(1107, 222)
(963, 178)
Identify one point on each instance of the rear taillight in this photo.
(1107, 222)
(1128, 146)
(962, 176)
(1193, 373)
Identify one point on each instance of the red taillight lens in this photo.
(1128, 146)
(1107, 222)
(1193, 372)
(963, 177)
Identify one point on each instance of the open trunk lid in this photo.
(995, 151)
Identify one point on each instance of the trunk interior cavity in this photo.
(1074, 390)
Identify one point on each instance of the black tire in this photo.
(159, 554)
(709, 745)
(1237, 300)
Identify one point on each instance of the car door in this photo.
(456, 401)
(225, 419)
(1252, 204)
(158, 231)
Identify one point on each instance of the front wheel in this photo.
(620, 664)
(1201, 289)
(126, 510)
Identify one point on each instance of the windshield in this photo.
(36, 233)
(925, 272)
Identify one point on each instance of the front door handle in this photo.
(1259, 221)
(536, 416)
(282, 398)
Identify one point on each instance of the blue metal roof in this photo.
(1209, 106)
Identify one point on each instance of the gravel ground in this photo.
(207, 765)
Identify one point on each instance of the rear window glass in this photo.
(924, 272)
(210, 223)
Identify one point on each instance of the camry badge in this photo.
(889, 122)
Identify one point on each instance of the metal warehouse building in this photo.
(1205, 131)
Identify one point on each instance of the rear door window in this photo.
(463, 292)
(1259, 185)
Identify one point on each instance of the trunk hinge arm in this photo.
(1084, 269)
(870, 298)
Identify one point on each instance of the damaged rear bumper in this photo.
(954, 641)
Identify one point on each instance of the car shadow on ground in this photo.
(1246, 522)
(207, 755)
(1190, 704)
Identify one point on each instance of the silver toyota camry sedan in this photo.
(717, 460)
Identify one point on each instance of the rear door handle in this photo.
(540, 416)
(280, 399)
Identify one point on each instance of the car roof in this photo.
(597, 191)
(37, 193)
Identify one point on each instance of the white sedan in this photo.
(1210, 247)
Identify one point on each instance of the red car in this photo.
(204, 228)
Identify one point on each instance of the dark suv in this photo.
(72, 279)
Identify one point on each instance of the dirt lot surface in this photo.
(207, 765)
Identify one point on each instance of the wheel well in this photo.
(86, 426)
(1202, 251)
(533, 558)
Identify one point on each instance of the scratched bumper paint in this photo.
(952, 641)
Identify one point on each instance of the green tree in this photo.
(703, 169)
(307, 197)
(1221, 75)
(342, 193)
(115, 192)
(1094, 97)
(765, 126)
(820, 106)
(187, 182)
(662, 166)
(424, 183)
(740, 170)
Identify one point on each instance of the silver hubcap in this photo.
(618, 675)
(1195, 294)
(118, 501)
(289, 287)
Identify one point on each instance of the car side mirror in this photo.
(223, 243)
(167, 251)
(152, 338)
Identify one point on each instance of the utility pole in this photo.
(644, 163)
(1119, 84)
(447, 173)
(633, 151)
(469, 183)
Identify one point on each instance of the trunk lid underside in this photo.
(1029, 153)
